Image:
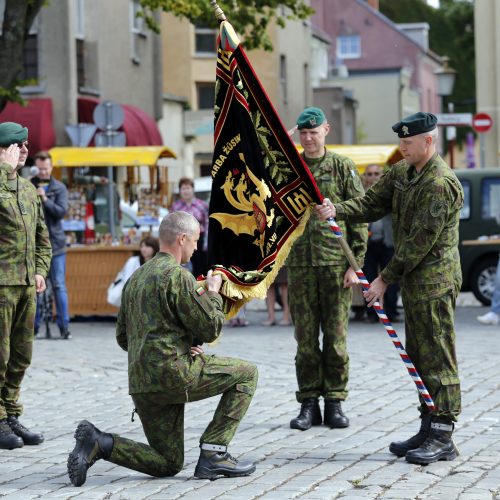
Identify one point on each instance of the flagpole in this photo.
(219, 14)
(383, 317)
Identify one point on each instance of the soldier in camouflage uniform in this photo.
(319, 283)
(164, 316)
(24, 262)
(425, 198)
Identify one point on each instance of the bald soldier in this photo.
(24, 263)
(164, 317)
(425, 197)
(320, 281)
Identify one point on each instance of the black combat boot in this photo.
(310, 414)
(437, 446)
(8, 440)
(334, 416)
(91, 445)
(28, 437)
(215, 461)
(400, 448)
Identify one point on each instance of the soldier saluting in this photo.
(425, 197)
(24, 263)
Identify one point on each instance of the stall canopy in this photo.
(140, 128)
(109, 157)
(367, 154)
(37, 116)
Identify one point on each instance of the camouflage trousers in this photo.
(162, 416)
(17, 316)
(430, 343)
(317, 301)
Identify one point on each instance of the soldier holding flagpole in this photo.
(425, 197)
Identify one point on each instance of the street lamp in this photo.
(445, 81)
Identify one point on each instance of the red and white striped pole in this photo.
(383, 317)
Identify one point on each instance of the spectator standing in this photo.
(24, 262)
(54, 197)
(379, 251)
(492, 317)
(281, 282)
(199, 209)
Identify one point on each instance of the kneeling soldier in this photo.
(164, 315)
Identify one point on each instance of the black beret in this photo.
(12, 133)
(415, 124)
(311, 118)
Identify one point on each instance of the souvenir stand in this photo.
(93, 257)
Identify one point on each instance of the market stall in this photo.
(94, 256)
(367, 154)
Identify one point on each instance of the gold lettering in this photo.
(300, 201)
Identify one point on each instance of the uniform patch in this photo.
(200, 291)
(436, 208)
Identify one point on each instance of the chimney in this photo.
(373, 4)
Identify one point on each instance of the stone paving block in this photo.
(319, 463)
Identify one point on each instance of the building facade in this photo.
(388, 68)
(82, 52)
(487, 20)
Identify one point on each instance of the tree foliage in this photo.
(250, 18)
(17, 20)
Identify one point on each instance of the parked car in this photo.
(479, 218)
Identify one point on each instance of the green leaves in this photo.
(250, 18)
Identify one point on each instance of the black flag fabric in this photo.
(262, 191)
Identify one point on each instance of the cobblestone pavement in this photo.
(86, 378)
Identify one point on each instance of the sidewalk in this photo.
(86, 377)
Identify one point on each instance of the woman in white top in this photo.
(148, 248)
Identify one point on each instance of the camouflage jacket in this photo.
(425, 211)
(24, 240)
(162, 309)
(337, 179)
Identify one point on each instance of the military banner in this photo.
(262, 191)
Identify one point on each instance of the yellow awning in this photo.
(109, 157)
(366, 154)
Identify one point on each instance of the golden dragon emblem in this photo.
(253, 217)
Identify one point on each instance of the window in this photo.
(30, 71)
(283, 79)
(80, 19)
(2, 13)
(137, 30)
(206, 95)
(80, 63)
(465, 212)
(490, 199)
(349, 47)
(205, 41)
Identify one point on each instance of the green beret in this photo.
(311, 118)
(12, 133)
(415, 124)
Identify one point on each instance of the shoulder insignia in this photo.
(436, 208)
(200, 291)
